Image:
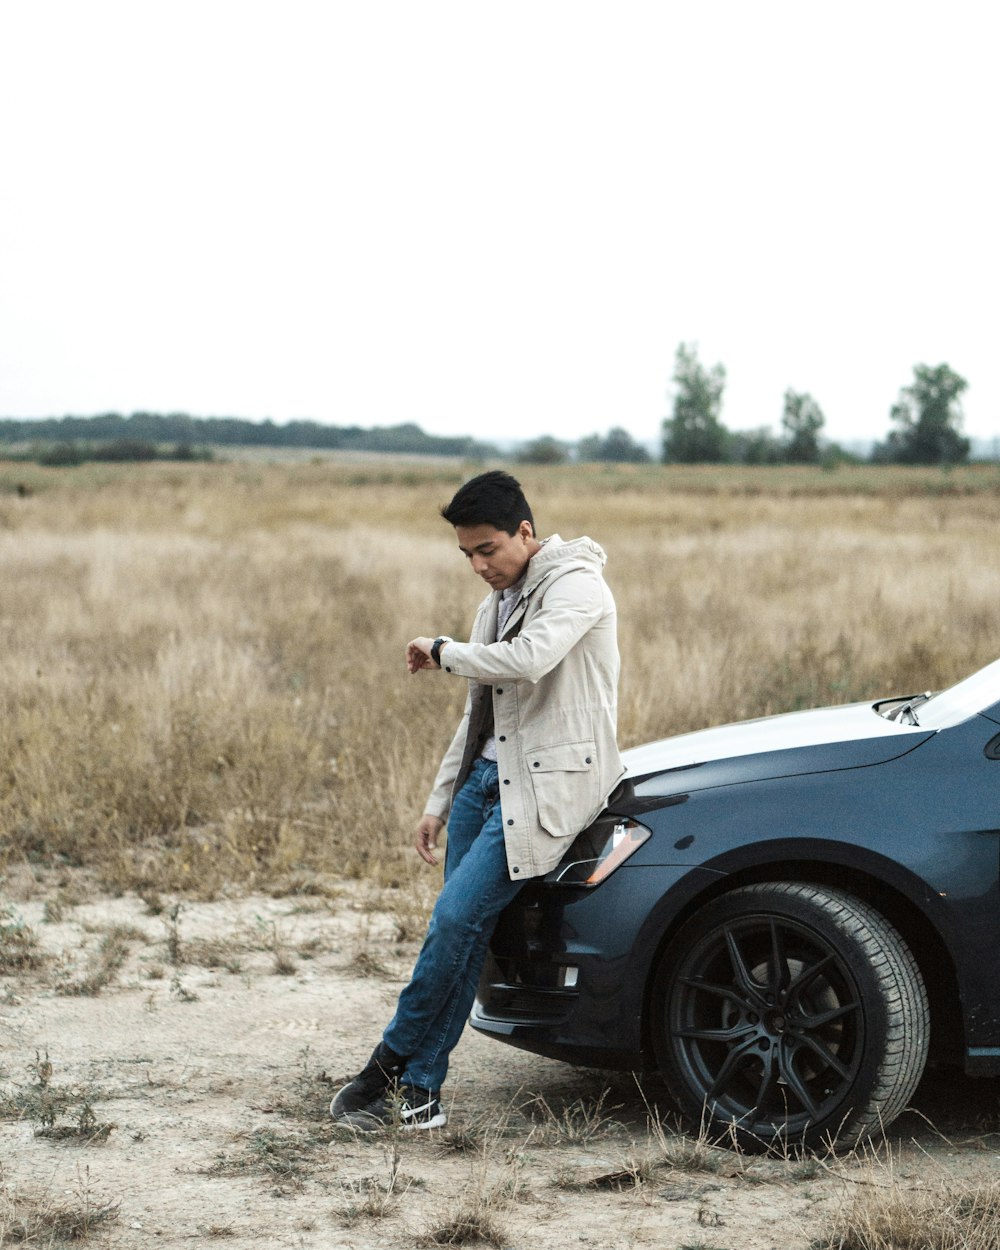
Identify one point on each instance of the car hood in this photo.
(773, 746)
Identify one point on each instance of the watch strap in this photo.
(436, 646)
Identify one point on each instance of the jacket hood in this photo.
(561, 557)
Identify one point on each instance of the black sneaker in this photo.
(379, 1074)
(405, 1106)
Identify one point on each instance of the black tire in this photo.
(789, 1014)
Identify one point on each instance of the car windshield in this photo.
(959, 702)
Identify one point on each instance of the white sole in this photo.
(437, 1121)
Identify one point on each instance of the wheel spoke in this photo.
(823, 1052)
(786, 1065)
(721, 991)
(778, 973)
(740, 969)
(731, 1063)
(821, 1018)
(732, 1034)
(810, 973)
(768, 1080)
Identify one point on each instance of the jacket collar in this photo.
(535, 574)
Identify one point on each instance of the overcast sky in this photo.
(495, 219)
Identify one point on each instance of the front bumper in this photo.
(568, 969)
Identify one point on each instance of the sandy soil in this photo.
(214, 1073)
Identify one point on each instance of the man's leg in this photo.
(433, 1008)
(469, 811)
(476, 889)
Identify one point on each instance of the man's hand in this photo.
(426, 839)
(418, 654)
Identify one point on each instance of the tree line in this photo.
(141, 435)
(926, 418)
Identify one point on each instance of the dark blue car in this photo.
(785, 917)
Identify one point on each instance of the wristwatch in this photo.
(436, 648)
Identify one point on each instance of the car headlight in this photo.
(599, 850)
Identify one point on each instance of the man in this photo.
(531, 764)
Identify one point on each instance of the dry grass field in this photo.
(202, 678)
(211, 758)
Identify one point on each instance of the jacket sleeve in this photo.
(439, 802)
(571, 606)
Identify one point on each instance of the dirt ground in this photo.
(164, 1080)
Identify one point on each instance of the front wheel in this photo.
(791, 1013)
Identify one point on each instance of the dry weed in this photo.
(215, 952)
(280, 1158)
(308, 1099)
(172, 920)
(43, 1102)
(40, 1101)
(635, 1172)
(269, 937)
(104, 964)
(366, 959)
(474, 1222)
(19, 949)
(37, 1218)
(374, 1197)
(477, 1214)
(947, 1215)
(57, 907)
(86, 1131)
(575, 1123)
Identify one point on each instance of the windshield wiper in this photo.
(905, 713)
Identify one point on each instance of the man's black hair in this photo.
(494, 498)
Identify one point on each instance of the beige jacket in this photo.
(553, 682)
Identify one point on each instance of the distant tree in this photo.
(618, 446)
(928, 418)
(695, 433)
(801, 421)
(589, 448)
(124, 449)
(833, 456)
(185, 451)
(755, 447)
(60, 455)
(544, 450)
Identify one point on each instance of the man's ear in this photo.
(526, 530)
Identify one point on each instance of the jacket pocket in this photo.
(564, 779)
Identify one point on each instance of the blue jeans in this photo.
(433, 1008)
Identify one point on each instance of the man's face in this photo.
(497, 557)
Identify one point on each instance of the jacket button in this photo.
(510, 822)
(502, 738)
(499, 690)
(588, 760)
(506, 781)
(447, 670)
(515, 869)
(535, 765)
